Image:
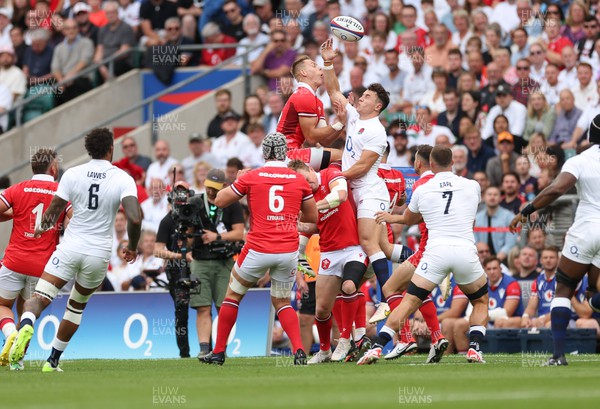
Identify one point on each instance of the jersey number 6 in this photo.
(276, 202)
(93, 197)
(449, 196)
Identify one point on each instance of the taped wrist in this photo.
(303, 242)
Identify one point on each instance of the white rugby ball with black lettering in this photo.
(347, 28)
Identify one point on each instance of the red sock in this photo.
(337, 311)
(405, 333)
(5, 321)
(360, 320)
(394, 300)
(429, 313)
(289, 322)
(324, 329)
(227, 317)
(349, 309)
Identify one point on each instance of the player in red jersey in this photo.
(276, 195)
(20, 271)
(303, 118)
(343, 261)
(396, 285)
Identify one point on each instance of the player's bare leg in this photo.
(448, 332)
(68, 325)
(327, 288)
(204, 327)
(8, 328)
(306, 330)
(511, 322)
(46, 290)
(461, 339)
(477, 292)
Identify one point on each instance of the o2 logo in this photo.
(143, 336)
(350, 146)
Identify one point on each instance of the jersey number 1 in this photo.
(449, 196)
(93, 197)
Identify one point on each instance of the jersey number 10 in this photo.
(93, 197)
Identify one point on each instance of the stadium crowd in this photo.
(511, 86)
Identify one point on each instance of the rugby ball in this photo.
(347, 28)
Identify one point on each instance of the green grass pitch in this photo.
(506, 381)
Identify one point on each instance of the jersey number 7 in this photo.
(449, 196)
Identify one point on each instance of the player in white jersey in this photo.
(447, 204)
(96, 190)
(581, 251)
(366, 142)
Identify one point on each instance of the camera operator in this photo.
(212, 253)
(168, 246)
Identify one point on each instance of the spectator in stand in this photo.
(555, 42)
(399, 153)
(200, 173)
(319, 14)
(528, 264)
(525, 85)
(295, 37)
(467, 82)
(6, 14)
(232, 143)
(115, 37)
(376, 58)
(512, 199)
(233, 24)
(156, 206)
(176, 174)
(419, 82)
(536, 152)
(508, 72)
(568, 76)
(20, 10)
(254, 157)
(382, 24)
(129, 13)
(566, 121)
(18, 42)
(253, 112)
(475, 64)
(142, 273)
(223, 106)
(393, 80)
(437, 54)
(189, 12)
(505, 161)
(116, 272)
(479, 153)
(528, 184)
(97, 14)
(459, 157)
(450, 118)
(540, 117)
(470, 107)
(462, 30)
(506, 305)
(493, 41)
(434, 99)
(275, 60)
(6, 101)
(153, 15)
(536, 238)
(11, 76)
(81, 14)
(428, 132)
(264, 10)
(69, 58)
(574, 27)
(488, 93)
(275, 103)
(550, 85)
(585, 46)
(537, 58)
(37, 62)
(520, 47)
(159, 169)
(409, 20)
(120, 234)
(505, 105)
(583, 123)
(585, 316)
(584, 91)
(253, 37)
(232, 167)
(211, 34)
(454, 67)
(199, 152)
(130, 153)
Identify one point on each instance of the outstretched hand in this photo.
(340, 111)
(327, 51)
(129, 255)
(516, 221)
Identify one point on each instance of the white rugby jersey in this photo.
(95, 190)
(448, 204)
(586, 168)
(360, 136)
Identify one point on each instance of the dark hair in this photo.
(589, 19)
(392, 50)
(41, 160)
(451, 90)
(255, 127)
(534, 228)
(98, 142)
(488, 260)
(387, 149)
(423, 153)
(442, 156)
(455, 51)
(511, 173)
(4, 182)
(559, 154)
(246, 115)
(498, 117)
(223, 91)
(551, 248)
(519, 29)
(235, 162)
(382, 95)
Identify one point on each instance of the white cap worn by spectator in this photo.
(81, 6)
(6, 11)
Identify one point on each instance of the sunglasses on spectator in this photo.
(522, 68)
(553, 12)
(279, 40)
(421, 107)
(172, 28)
(535, 53)
(129, 145)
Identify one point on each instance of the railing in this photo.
(148, 101)
(17, 108)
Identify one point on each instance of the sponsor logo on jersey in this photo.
(501, 292)
(548, 295)
(38, 190)
(493, 303)
(325, 264)
(277, 175)
(361, 130)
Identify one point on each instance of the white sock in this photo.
(29, 315)
(59, 345)
(396, 253)
(359, 333)
(8, 329)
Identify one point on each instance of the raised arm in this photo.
(226, 197)
(331, 82)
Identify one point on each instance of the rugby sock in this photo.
(227, 317)
(349, 310)
(401, 253)
(58, 348)
(476, 335)
(289, 322)
(594, 303)
(7, 325)
(560, 314)
(27, 318)
(383, 337)
(405, 333)
(360, 320)
(337, 310)
(394, 301)
(204, 347)
(324, 330)
(380, 266)
(429, 313)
